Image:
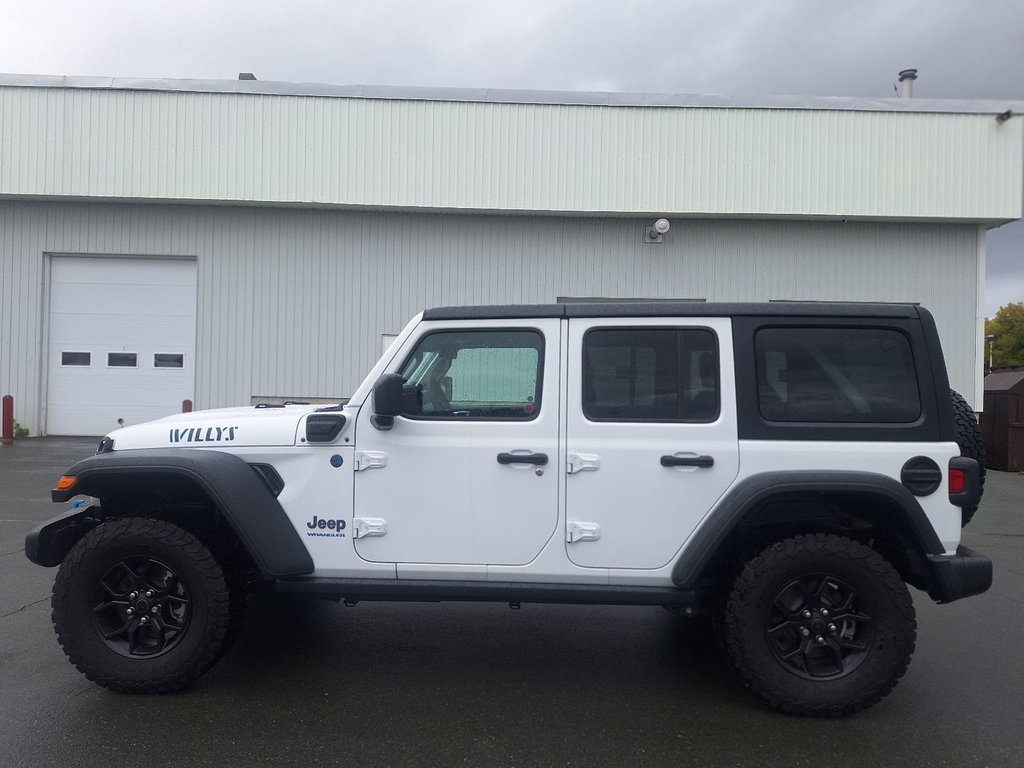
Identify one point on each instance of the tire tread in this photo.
(971, 442)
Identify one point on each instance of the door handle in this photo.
(687, 461)
(523, 458)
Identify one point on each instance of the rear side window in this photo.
(650, 374)
(836, 375)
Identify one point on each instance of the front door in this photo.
(468, 473)
(651, 436)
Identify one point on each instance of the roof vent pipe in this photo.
(907, 78)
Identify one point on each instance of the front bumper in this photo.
(961, 575)
(48, 543)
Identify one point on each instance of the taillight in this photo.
(956, 481)
(964, 479)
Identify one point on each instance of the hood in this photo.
(221, 428)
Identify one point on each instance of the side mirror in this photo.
(387, 400)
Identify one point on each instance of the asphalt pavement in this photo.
(313, 683)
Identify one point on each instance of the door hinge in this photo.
(362, 527)
(582, 462)
(370, 460)
(582, 532)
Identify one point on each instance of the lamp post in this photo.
(991, 338)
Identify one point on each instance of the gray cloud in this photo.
(783, 47)
(795, 47)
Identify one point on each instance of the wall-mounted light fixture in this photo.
(655, 232)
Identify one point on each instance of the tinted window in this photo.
(475, 374)
(122, 359)
(650, 374)
(75, 358)
(836, 375)
(168, 360)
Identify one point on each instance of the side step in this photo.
(417, 590)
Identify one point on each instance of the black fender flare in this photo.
(247, 504)
(752, 491)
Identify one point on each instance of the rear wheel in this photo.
(820, 625)
(141, 606)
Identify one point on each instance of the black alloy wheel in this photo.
(815, 628)
(143, 607)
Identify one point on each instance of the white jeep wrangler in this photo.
(784, 469)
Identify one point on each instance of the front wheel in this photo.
(141, 606)
(820, 625)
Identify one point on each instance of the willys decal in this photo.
(203, 435)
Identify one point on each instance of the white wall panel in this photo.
(294, 302)
(474, 156)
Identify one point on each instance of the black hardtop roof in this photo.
(669, 308)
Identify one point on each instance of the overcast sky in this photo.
(964, 50)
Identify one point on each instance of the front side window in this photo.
(492, 374)
(650, 374)
(837, 375)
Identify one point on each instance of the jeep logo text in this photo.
(318, 526)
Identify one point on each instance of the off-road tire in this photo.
(877, 593)
(972, 445)
(199, 578)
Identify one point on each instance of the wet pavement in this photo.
(314, 683)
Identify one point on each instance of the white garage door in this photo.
(122, 342)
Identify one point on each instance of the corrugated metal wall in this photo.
(294, 302)
(181, 146)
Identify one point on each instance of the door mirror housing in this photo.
(387, 400)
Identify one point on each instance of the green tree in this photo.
(1008, 329)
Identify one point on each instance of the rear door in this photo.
(651, 435)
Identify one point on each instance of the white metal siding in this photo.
(294, 302)
(472, 156)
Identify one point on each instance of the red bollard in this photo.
(186, 406)
(7, 418)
